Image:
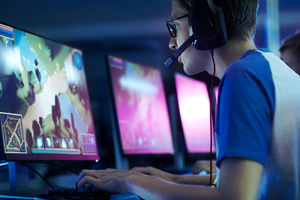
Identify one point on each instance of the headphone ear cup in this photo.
(207, 22)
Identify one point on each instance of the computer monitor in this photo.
(216, 91)
(45, 110)
(194, 109)
(139, 108)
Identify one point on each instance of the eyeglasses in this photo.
(172, 26)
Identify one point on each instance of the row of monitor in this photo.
(46, 112)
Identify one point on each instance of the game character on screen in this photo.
(29, 140)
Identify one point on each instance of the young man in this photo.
(290, 52)
(257, 122)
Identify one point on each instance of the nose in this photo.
(172, 44)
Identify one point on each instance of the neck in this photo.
(229, 53)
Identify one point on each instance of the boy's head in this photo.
(290, 52)
(240, 16)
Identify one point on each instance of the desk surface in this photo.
(37, 186)
(128, 196)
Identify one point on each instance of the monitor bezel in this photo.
(114, 117)
(50, 157)
(192, 155)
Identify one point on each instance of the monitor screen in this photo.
(194, 109)
(216, 90)
(45, 110)
(141, 111)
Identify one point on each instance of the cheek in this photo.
(182, 35)
(181, 39)
(201, 61)
(199, 58)
(193, 61)
(189, 56)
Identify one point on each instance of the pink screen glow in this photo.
(141, 108)
(194, 108)
(216, 89)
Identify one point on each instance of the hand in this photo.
(110, 180)
(154, 172)
(201, 165)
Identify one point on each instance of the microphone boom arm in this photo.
(179, 51)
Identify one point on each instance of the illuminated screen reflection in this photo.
(194, 108)
(43, 88)
(141, 108)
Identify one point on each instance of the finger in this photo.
(138, 169)
(105, 184)
(143, 170)
(87, 180)
(111, 169)
(85, 172)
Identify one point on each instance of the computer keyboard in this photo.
(72, 193)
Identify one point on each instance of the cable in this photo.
(37, 174)
(22, 163)
(64, 168)
(212, 116)
(3, 165)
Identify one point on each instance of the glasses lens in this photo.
(172, 29)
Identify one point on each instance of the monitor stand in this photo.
(179, 163)
(18, 177)
(121, 163)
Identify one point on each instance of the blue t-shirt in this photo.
(257, 118)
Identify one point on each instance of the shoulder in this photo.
(249, 79)
(253, 67)
(252, 61)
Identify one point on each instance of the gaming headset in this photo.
(207, 30)
(206, 26)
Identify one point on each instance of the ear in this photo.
(206, 20)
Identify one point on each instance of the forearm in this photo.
(151, 187)
(193, 179)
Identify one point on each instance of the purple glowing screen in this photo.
(141, 107)
(44, 102)
(216, 90)
(194, 108)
